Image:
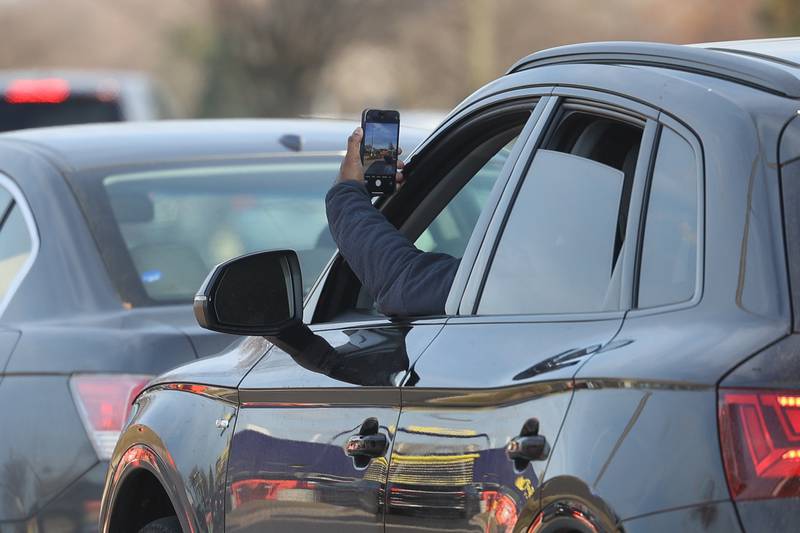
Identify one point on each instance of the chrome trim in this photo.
(224, 394)
(19, 199)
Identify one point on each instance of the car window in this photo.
(177, 223)
(562, 240)
(15, 246)
(453, 180)
(15, 115)
(669, 249)
(451, 229)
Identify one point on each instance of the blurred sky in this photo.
(334, 57)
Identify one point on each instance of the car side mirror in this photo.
(255, 294)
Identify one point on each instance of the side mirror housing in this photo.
(257, 294)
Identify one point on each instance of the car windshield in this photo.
(174, 224)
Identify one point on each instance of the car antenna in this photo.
(292, 141)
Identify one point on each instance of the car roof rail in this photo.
(740, 69)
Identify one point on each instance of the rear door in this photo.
(484, 404)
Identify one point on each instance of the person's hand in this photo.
(352, 169)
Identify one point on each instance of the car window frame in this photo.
(601, 103)
(19, 200)
(683, 131)
(451, 124)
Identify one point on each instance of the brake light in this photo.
(502, 509)
(760, 437)
(104, 402)
(41, 91)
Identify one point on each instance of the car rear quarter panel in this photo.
(68, 275)
(35, 468)
(185, 432)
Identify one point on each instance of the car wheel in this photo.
(169, 524)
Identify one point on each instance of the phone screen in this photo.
(380, 148)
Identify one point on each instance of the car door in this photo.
(311, 450)
(295, 462)
(483, 405)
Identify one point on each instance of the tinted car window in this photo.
(451, 229)
(15, 247)
(74, 110)
(177, 223)
(669, 251)
(556, 254)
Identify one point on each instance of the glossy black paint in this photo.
(626, 401)
(66, 317)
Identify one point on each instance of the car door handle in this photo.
(528, 445)
(367, 445)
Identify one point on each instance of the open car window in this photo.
(439, 207)
(451, 229)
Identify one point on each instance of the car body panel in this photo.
(774, 367)
(34, 469)
(769, 515)
(189, 451)
(718, 517)
(226, 369)
(789, 148)
(639, 447)
(288, 468)
(474, 389)
(77, 508)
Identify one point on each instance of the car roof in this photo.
(82, 147)
(785, 50)
(771, 65)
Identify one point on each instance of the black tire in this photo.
(169, 524)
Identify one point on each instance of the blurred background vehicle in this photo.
(38, 98)
(107, 231)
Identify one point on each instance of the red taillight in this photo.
(502, 509)
(104, 401)
(41, 91)
(760, 436)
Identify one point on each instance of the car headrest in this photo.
(590, 138)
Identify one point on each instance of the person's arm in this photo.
(404, 280)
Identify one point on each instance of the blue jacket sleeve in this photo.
(404, 280)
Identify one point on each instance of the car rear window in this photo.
(170, 226)
(73, 110)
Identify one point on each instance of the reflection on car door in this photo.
(310, 451)
(484, 404)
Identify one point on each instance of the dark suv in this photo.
(618, 351)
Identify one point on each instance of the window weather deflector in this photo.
(739, 69)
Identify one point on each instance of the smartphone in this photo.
(379, 149)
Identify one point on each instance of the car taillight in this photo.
(760, 437)
(502, 509)
(37, 91)
(104, 402)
